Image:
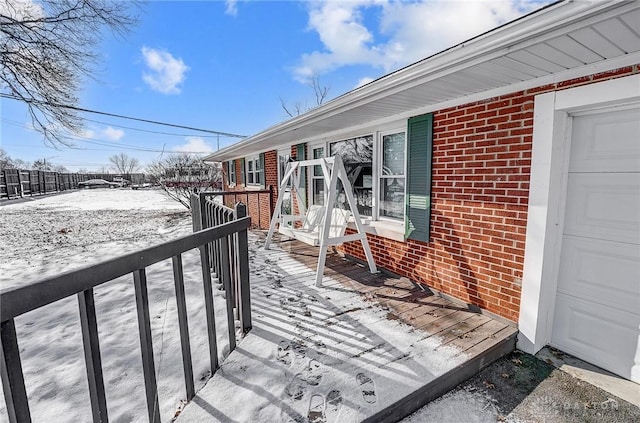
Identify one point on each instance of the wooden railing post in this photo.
(91, 344)
(178, 277)
(226, 283)
(209, 311)
(15, 394)
(243, 263)
(196, 214)
(146, 345)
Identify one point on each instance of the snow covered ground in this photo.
(54, 234)
(301, 335)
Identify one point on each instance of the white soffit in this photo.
(564, 36)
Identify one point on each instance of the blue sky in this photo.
(224, 66)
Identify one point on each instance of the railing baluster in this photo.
(218, 257)
(178, 277)
(208, 305)
(232, 260)
(146, 344)
(226, 283)
(93, 362)
(243, 256)
(15, 393)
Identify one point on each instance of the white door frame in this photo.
(547, 197)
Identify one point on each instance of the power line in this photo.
(116, 146)
(81, 109)
(149, 131)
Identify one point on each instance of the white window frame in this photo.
(387, 224)
(286, 152)
(310, 175)
(232, 173)
(378, 151)
(255, 161)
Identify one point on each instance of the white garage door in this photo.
(597, 314)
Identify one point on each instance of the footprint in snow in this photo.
(367, 387)
(325, 410)
(316, 412)
(284, 354)
(296, 388)
(312, 374)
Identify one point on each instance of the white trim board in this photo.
(549, 170)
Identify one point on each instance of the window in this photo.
(232, 172)
(255, 170)
(357, 155)
(317, 180)
(392, 180)
(284, 157)
(390, 173)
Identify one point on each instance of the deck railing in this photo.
(18, 301)
(207, 212)
(259, 203)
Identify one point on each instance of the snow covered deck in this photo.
(361, 348)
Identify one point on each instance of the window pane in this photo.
(393, 154)
(283, 160)
(392, 197)
(357, 155)
(250, 178)
(250, 164)
(318, 192)
(318, 153)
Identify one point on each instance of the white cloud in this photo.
(112, 134)
(405, 31)
(194, 145)
(232, 7)
(364, 81)
(164, 73)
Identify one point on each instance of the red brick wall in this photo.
(258, 205)
(480, 191)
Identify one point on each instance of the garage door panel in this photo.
(606, 142)
(601, 271)
(577, 324)
(597, 310)
(605, 206)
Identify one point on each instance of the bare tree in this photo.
(123, 163)
(5, 160)
(47, 48)
(180, 175)
(320, 91)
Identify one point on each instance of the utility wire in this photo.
(154, 122)
(150, 131)
(116, 146)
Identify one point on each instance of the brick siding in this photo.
(259, 207)
(480, 192)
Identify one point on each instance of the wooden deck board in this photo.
(458, 325)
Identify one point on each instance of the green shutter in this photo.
(243, 177)
(303, 178)
(418, 198)
(261, 172)
(233, 172)
(228, 170)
